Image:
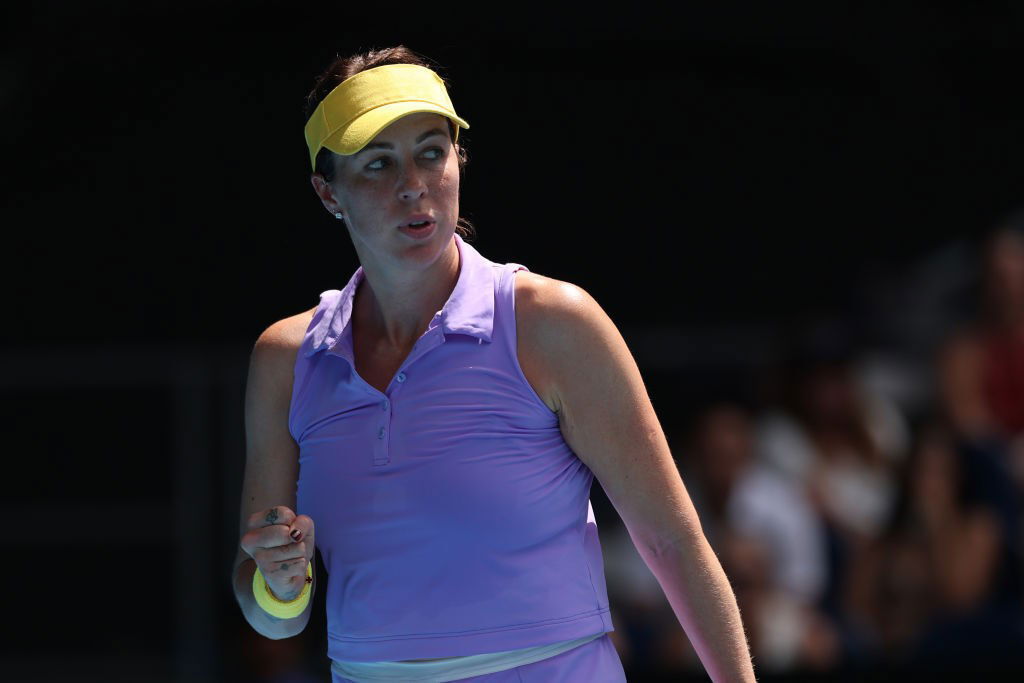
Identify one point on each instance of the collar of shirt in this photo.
(469, 310)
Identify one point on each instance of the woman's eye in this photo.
(434, 153)
(377, 164)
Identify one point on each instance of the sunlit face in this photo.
(408, 171)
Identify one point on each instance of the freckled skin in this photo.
(377, 189)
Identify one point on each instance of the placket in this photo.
(382, 443)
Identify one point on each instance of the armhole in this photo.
(300, 376)
(513, 337)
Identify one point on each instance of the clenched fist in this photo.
(281, 543)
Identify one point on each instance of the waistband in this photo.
(453, 668)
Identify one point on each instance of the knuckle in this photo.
(268, 539)
(248, 542)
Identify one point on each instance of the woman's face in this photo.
(408, 172)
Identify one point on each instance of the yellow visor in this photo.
(361, 106)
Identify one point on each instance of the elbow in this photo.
(658, 548)
(674, 536)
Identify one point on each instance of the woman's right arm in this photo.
(272, 536)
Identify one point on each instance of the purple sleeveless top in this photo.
(451, 515)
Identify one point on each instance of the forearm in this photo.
(266, 624)
(703, 601)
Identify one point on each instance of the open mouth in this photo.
(419, 229)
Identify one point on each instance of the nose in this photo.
(411, 184)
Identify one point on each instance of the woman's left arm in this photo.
(606, 417)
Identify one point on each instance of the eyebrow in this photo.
(388, 145)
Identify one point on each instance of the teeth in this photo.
(417, 223)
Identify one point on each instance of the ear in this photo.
(326, 193)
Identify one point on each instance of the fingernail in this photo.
(295, 534)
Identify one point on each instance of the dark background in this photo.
(712, 177)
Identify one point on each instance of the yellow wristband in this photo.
(280, 608)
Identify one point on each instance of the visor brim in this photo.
(366, 127)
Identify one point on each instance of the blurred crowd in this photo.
(861, 530)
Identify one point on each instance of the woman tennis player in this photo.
(434, 428)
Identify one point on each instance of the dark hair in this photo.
(346, 67)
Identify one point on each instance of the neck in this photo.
(395, 307)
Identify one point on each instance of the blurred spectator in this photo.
(786, 634)
(938, 587)
(770, 541)
(836, 439)
(981, 378)
(982, 365)
(840, 444)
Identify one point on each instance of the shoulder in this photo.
(560, 328)
(285, 335)
(273, 355)
(545, 300)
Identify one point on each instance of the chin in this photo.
(429, 250)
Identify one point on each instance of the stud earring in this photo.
(338, 215)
